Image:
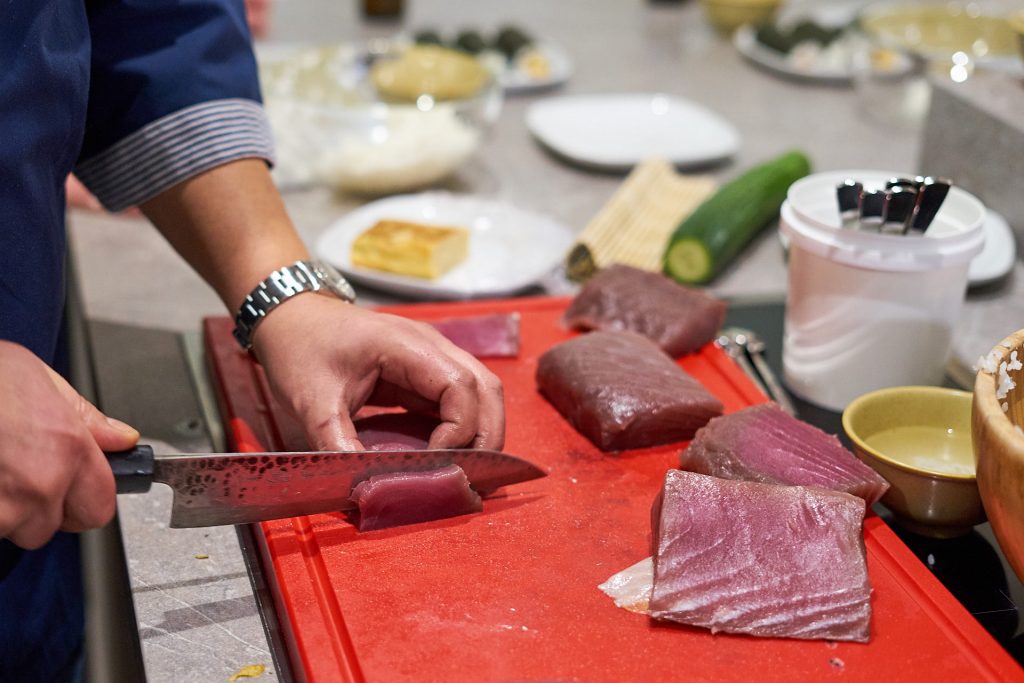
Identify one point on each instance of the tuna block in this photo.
(761, 559)
(764, 443)
(621, 391)
(678, 319)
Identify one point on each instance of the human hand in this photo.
(325, 359)
(53, 474)
(257, 14)
(79, 197)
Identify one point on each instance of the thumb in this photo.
(109, 434)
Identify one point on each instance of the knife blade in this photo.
(240, 488)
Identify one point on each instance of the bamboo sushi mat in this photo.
(636, 223)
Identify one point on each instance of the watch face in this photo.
(334, 281)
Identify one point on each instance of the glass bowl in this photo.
(907, 45)
(939, 30)
(337, 123)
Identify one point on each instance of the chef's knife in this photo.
(239, 488)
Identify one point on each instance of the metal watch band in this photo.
(283, 284)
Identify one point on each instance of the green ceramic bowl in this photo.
(919, 439)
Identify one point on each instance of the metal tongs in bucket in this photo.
(905, 206)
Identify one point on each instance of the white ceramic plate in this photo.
(509, 248)
(616, 132)
(996, 258)
(515, 80)
(819, 71)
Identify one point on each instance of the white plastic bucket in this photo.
(866, 310)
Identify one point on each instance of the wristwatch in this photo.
(283, 284)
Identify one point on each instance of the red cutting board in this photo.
(510, 594)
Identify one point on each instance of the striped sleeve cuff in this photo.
(174, 148)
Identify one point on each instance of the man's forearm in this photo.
(230, 224)
(323, 358)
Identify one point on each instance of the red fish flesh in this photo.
(764, 443)
(395, 431)
(484, 336)
(679, 319)
(398, 498)
(621, 391)
(761, 559)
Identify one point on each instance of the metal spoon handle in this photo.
(901, 200)
(929, 200)
(848, 197)
(873, 208)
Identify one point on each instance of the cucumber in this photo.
(718, 229)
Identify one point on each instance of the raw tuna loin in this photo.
(761, 559)
(678, 319)
(484, 336)
(621, 391)
(764, 443)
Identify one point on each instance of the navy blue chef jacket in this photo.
(134, 96)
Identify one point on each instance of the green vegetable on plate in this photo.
(428, 37)
(510, 39)
(783, 40)
(709, 238)
(471, 42)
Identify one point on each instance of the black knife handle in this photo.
(133, 470)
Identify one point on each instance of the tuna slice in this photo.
(679, 319)
(388, 500)
(761, 559)
(764, 443)
(621, 391)
(484, 336)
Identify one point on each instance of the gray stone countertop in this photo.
(194, 604)
(197, 616)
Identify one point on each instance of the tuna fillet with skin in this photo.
(621, 391)
(678, 319)
(763, 443)
(761, 559)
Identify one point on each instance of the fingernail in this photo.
(120, 426)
